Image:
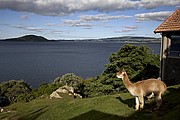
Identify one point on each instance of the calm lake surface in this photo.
(42, 62)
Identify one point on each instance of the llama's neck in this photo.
(126, 82)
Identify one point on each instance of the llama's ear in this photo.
(123, 70)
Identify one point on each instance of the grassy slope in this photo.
(111, 107)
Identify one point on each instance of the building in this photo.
(170, 49)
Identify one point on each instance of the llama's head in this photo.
(121, 74)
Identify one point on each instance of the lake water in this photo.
(42, 62)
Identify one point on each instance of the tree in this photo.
(132, 58)
(13, 88)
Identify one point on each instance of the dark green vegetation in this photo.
(135, 60)
(110, 107)
(13, 91)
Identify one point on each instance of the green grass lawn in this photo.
(110, 107)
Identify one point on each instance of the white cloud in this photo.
(149, 4)
(56, 31)
(24, 17)
(86, 20)
(65, 7)
(29, 28)
(49, 24)
(76, 23)
(35, 29)
(18, 26)
(157, 16)
(101, 17)
(108, 5)
(61, 31)
(128, 29)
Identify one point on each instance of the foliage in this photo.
(132, 58)
(4, 101)
(98, 86)
(43, 89)
(13, 88)
(70, 79)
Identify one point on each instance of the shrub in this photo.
(13, 88)
(132, 58)
(69, 79)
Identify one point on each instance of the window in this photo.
(175, 46)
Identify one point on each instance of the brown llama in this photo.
(143, 88)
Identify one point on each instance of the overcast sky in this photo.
(83, 19)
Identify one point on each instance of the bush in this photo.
(70, 79)
(132, 58)
(4, 101)
(13, 88)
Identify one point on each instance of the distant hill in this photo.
(124, 39)
(132, 39)
(28, 38)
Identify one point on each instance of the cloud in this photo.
(128, 29)
(24, 17)
(57, 31)
(28, 28)
(101, 17)
(109, 5)
(149, 4)
(157, 16)
(50, 24)
(86, 20)
(76, 23)
(61, 31)
(65, 7)
(35, 29)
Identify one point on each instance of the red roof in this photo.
(172, 23)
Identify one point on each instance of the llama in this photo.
(143, 88)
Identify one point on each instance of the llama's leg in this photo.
(137, 103)
(141, 101)
(158, 101)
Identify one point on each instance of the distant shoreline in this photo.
(125, 39)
